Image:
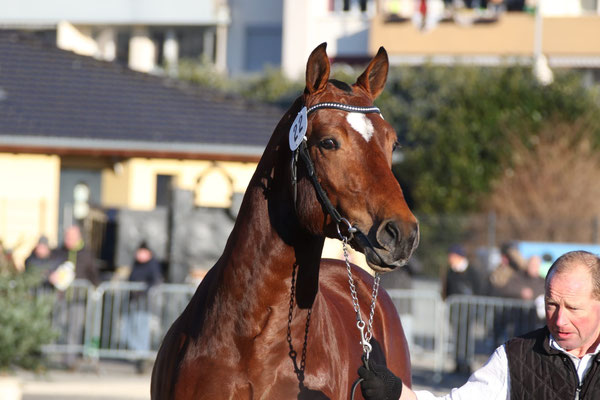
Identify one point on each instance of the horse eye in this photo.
(396, 145)
(329, 144)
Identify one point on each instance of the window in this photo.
(163, 190)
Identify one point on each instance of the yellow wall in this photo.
(132, 183)
(28, 201)
(512, 35)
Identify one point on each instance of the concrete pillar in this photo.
(107, 44)
(77, 39)
(224, 18)
(142, 51)
(171, 52)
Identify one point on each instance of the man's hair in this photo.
(572, 259)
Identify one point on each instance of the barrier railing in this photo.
(125, 320)
(477, 325)
(422, 315)
(70, 317)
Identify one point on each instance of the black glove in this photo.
(379, 383)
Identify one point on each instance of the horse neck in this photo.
(266, 242)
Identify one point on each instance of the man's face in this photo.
(572, 313)
(72, 238)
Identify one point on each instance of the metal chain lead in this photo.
(293, 354)
(365, 337)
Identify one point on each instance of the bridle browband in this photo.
(303, 151)
(344, 107)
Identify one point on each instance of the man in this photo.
(76, 262)
(42, 260)
(560, 361)
(76, 257)
(462, 278)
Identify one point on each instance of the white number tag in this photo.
(298, 129)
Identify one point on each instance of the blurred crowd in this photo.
(73, 259)
(512, 276)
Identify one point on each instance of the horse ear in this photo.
(374, 77)
(317, 70)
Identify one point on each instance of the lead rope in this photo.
(365, 337)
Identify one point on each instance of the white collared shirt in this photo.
(491, 382)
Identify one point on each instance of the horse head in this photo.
(344, 178)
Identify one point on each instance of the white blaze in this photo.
(361, 124)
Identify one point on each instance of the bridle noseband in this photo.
(302, 150)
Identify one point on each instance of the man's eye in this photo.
(329, 144)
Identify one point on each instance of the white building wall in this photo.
(309, 23)
(246, 14)
(158, 12)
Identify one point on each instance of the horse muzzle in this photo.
(388, 245)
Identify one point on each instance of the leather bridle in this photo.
(302, 150)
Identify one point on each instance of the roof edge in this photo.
(128, 148)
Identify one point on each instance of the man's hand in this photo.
(379, 383)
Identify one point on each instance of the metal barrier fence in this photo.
(125, 320)
(477, 325)
(422, 313)
(70, 317)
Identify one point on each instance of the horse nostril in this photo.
(392, 230)
(388, 234)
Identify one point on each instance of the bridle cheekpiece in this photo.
(298, 140)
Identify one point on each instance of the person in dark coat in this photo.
(462, 278)
(145, 267)
(42, 260)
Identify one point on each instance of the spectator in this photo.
(524, 284)
(534, 283)
(559, 361)
(511, 262)
(512, 280)
(546, 263)
(145, 269)
(42, 259)
(462, 278)
(76, 261)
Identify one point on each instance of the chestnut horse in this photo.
(253, 329)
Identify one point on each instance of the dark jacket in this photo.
(538, 371)
(42, 265)
(467, 282)
(149, 272)
(85, 263)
